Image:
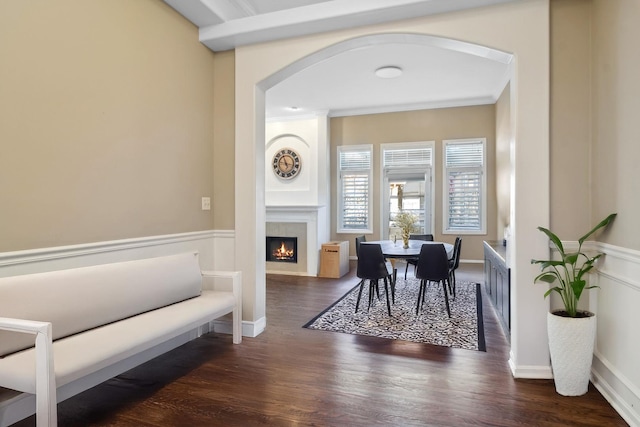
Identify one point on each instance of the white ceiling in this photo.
(433, 77)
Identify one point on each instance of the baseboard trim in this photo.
(529, 371)
(616, 388)
(289, 273)
(615, 400)
(249, 329)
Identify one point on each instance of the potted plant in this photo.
(406, 221)
(571, 330)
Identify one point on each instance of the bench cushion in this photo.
(79, 299)
(87, 352)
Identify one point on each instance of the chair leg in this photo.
(424, 294)
(359, 294)
(420, 296)
(446, 296)
(386, 292)
(372, 291)
(406, 269)
(453, 284)
(392, 279)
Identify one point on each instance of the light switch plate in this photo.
(206, 203)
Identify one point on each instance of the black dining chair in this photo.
(392, 280)
(372, 267)
(359, 239)
(454, 263)
(414, 261)
(433, 266)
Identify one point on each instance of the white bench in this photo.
(93, 323)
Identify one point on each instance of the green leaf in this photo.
(571, 258)
(600, 225)
(558, 290)
(547, 276)
(547, 263)
(555, 239)
(577, 286)
(583, 271)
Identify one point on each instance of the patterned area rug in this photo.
(432, 325)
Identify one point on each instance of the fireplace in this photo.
(282, 249)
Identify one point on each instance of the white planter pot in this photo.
(571, 343)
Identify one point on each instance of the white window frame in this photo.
(388, 172)
(340, 199)
(446, 229)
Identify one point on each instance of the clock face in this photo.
(286, 163)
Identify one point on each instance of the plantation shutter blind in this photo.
(355, 167)
(407, 157)
(464, 163)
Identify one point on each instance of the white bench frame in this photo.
(46, 413)
(48, 395)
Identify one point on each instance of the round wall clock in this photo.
(286, 163)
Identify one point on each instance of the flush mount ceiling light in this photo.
(389, 72)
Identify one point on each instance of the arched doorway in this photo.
(259, 68)
(374, 45)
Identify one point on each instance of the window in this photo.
(464, 187)
(354, 188)
(419, 155)
(406, 184)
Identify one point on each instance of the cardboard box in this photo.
(334, 259)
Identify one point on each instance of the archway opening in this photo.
(345, 47)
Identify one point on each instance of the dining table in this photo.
(396, 250)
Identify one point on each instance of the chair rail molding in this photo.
(72, 256)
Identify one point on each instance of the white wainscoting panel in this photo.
(224, 249)
(216, 250)
(616, 362)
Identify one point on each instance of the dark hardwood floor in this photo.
(290, 376)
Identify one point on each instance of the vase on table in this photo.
(405, 239)
(406, 222)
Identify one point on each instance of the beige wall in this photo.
(424, 125)
(106, 122)
(224, 140)
(615, 180)
(616, 126)
(570, 110)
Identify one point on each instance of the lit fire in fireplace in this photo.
(283, 252)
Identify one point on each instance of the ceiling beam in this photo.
(322, 17)
(228, 10)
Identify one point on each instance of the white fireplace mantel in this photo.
(315, 217)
